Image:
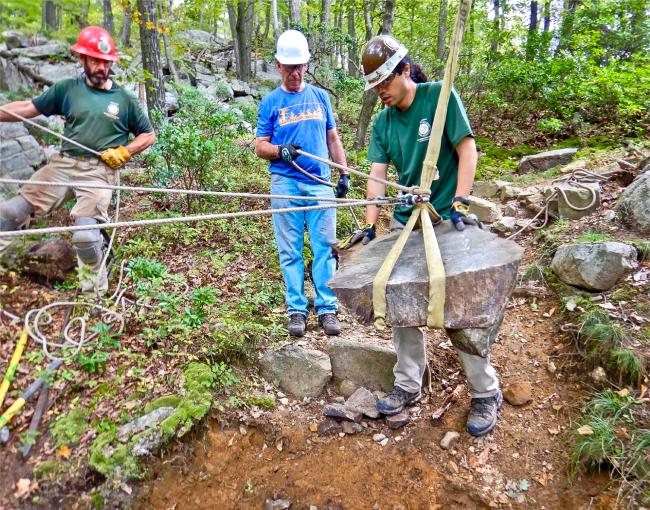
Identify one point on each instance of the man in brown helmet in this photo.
(400, 135)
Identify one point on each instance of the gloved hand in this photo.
(365, 235)
(343, 186)
(460, 215)
(288, 152)
(116, 157)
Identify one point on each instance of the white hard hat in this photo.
(292, 48)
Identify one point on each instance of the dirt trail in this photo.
(240, 466)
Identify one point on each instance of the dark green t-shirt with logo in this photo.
(99, 119)
(403, 136)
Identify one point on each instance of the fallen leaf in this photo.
(607, 306)
(555, 431)
(585, 430)
(524, 485)
(557, 407)
(643, 390)
(22, 488)
(570, 304)
(543, 479)
(127, 489)
(279, 444)
(64, 451)
(313, 427)
(622, 433)
(232, 439)
(623, 393)
(130, 404)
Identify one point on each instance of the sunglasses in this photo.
(295, 67)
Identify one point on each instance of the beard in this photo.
(97, 78)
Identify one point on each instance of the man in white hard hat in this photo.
(297, 115)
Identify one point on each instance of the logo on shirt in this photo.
(424, 129)
(300, 112)
(103, 44)
(112, 110)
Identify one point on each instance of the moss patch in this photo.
(113, 459)
(68, 428)
(48, 469)
(164, 401)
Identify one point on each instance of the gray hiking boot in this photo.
(330, 324)
(483, 414)
(396, 400)
(297, 324)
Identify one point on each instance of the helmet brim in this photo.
(95, 54)
(292, 61)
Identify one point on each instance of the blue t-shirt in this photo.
(301, 118)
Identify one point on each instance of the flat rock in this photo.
(485, 189)
(329, 427)
(518, 393)
(450, 437)
(546, 160)
(277, 504)
(476, 340)
(398, 420)
(363, 364)
(473, 259)
(49, 261)
(486, 211)
(341, 412)
(364, 402)
(594, 266)
(299, 371)
(52, 49)
(635, 202)
(142, 423)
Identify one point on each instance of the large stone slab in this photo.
(363, 364)
(635, 202)
(299, 371)
(546, 160)
(481, 269)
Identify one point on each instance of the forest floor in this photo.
(241, 455)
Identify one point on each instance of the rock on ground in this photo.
(341, 412)
(363, 401)
(546, 160)
(299, 371)
(364, 364)
(486, 211)
(594, 266)
(585, 200)
(518, 393)
(450, 437)
(635, 201)
(49, 261)
(473, 259)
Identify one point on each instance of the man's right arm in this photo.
(23, 108)
(265, 149)
(375, 189)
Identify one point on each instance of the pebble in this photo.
(599, 375)
(329, 427)
(518, 393)
(280, 394)
(450, 437)
(339, 411)
(351, 427)
(378, 437)
(384, 442)
(339, 400)
(551, 368)
(277, 504)
(398, 420)
(284, 401)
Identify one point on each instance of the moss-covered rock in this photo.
(113, 459)
(69, 427)
(164, 401)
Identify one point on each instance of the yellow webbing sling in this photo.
(424, 212)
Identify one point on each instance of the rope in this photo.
(424, 212)
(189, 219)
(228, 194)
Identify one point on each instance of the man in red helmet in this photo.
(100, 115)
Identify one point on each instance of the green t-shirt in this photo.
(403, 136)
(99, 119)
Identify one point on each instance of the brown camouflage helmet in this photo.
(380, 57)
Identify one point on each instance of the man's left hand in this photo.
(343, 186)
(116, 157)
(460, 215)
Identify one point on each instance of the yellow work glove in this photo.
(116, 157)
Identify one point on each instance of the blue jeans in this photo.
(289, 235)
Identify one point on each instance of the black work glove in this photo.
(343, 186)
(460, 215)
(365, 235)
(289, 152)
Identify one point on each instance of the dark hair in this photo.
(417, 73)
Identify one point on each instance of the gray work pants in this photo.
(412, 361)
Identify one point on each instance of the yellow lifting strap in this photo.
(424, 212)
(13, 364)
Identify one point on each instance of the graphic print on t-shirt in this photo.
(424, 129)
(300, 112)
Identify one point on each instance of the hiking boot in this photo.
(483, 414)
(396, 400)
(297, 324)
(330, 324)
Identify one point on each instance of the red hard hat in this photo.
(97, 43)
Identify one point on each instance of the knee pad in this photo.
(14, 213)
(88, 243)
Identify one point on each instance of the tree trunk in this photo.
(566, 26)
(48, 15)
(232, 22)
(151, 61)
(547, 16)
(442, 33)
(108, 23)
(369, 96)
(326, 13)
(496, 27)
(168, 58)
(531, 42)
(125, 33)
(267, 22)
(352, 66)
(368, 24)
(276, 23)
(241, 26)
(294, 11)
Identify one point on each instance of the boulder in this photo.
(476, 341)
(58, 71)
(19, 153)
(11, 78)
(486, 189)
(240, 88)
(364, 364)
(546, 160)
(299, 371)
(473, 259)
(14, 39)
(49, 261)
(585, 197)
(635, 202)
(594, 266)
(52, 49)
(486, 211)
